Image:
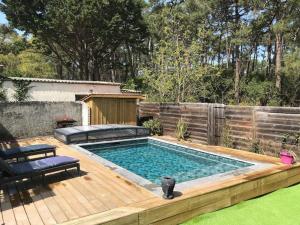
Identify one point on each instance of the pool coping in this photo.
(156, 189)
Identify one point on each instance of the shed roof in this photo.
(122, 95)
(61, 81)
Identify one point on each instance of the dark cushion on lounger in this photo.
(2, 154)
(25, 150)
(29, 148)
(41, 164)
(5, 167)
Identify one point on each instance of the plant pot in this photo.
(167, 185)
(286, 158)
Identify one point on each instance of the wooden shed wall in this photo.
(112, 111)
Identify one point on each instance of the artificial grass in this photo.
(281, 207)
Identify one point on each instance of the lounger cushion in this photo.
(24, 150)
(5, 167)
(41, 164)
(2, 154)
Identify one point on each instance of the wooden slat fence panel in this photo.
(149, 109)
(246, 124)
(195, 115)
(272, 123)
(239, 122)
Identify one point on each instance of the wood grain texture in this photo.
(246, 124)
(112, 110)
(101, 196)
(66, 196)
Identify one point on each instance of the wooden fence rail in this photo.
(245, 125)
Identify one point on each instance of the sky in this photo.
(3, 18)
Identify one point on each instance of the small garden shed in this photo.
(113, 108)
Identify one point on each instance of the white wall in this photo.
(46, 91)
(85, 114)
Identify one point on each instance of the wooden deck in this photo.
(100, 196)
(67, 196)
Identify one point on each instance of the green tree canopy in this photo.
(80, 33)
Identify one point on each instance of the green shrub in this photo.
(256, 147)
(226, 138)
(22, 88)
(154, 126)
(181, 130)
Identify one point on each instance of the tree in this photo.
(22, 88)
(35, 64)
(175, 71)
(291, 78)
(235, 51)
(11, 41)
(81, 34)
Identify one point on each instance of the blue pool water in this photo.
(154, 159)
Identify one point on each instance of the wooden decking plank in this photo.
(80, 198)
(129, 192)
(1, 211)
(100, 191)
(17, 205)
(112, 177)
(53, 206)
(95, 168)
(68, 210)
(113, 181)
(89, 194)
(98, 169)
(80, 210)
(97, 192)
(31, 211)
(105, 191)
(114, 189)
(41, 206)
(7, 210)
(139, 193)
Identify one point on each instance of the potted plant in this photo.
(288, 156)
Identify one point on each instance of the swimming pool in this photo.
(152, 159)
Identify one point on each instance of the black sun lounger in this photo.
(23, 152)
(40, 167)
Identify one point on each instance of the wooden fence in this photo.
(245, 125)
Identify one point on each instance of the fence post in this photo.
(210, 124)
(254, 123)
(219, 122)
(215, 123)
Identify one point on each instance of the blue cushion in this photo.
(5, 167)
(30, 148)
(25, 149)
(2, 154)
(41, 164)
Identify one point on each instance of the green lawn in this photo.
(278, 208)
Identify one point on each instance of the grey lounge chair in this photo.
(25, 151)
(40, 167)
